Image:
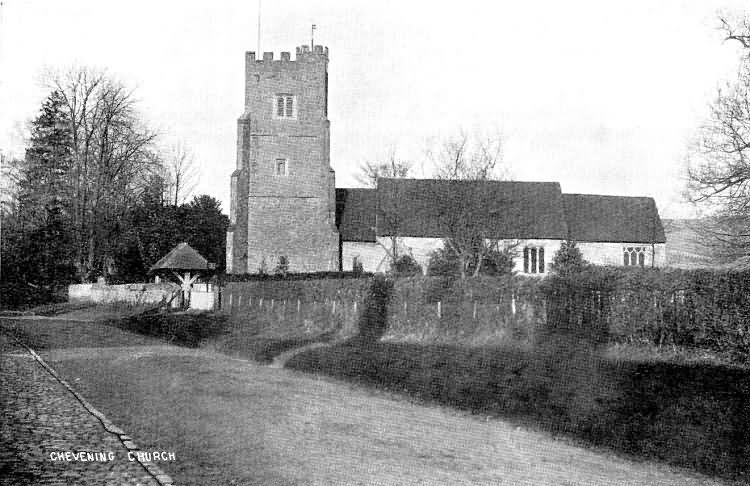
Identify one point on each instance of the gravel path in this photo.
(41, 419)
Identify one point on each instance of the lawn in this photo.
(234, 422)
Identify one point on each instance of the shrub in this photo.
(497, 262)
(374, 318)
(282, 267)
(406, 266)
(357, 267)
(568, 259)
(443, 263)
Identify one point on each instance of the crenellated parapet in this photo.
(303, 53)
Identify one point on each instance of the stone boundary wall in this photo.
(131, 294)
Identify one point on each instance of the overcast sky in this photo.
(600, 96)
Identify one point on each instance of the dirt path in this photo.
(281, 360)
(235, 422)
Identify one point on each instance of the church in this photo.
(285, 205)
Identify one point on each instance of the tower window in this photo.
(281, 167)
(285, 106)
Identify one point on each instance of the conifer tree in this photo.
(42, 225)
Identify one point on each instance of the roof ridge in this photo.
(423, 179)
(605, 195)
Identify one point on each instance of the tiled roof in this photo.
(613, 219)
(506, 209)
(355, 214)
(426, 208)
(181, 257)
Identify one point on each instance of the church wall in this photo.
(279, 226)
(550, 249)
(288, 212)
(612, 253)
(422, 248)
(230, 252)
(419, 248)
(372, 256)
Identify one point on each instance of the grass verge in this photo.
(693, 416)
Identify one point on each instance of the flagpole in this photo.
(260, 54)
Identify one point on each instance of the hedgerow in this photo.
(705, 309)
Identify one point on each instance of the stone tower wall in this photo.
(293, 214)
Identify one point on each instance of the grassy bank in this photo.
(259, 335)
(689, 416)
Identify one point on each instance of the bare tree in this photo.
(111, 150)
(468, 156)
(183, 173)
(470, 162)
(719, 159)
(392, 167)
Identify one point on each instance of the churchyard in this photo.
(339, 381)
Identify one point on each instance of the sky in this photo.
(603, 97)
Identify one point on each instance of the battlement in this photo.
(302, 52)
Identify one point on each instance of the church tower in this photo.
(283, 189)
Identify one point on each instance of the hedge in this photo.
(704, 309)
(692, 308)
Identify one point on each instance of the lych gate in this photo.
(184, 265)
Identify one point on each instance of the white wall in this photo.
(612, 253)
(230, 251)
(372, 256)
(137, 294)
(550, 249)
(202, 300)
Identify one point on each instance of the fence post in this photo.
(355, 306)
(439, 310)
(239, 301)
(230, 302)
(272, 303)
(261, 303)
(333, 308)
(474, 314)
(297, 306)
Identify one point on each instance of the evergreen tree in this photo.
(568, 259)
(42, 230)
(206, 228)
